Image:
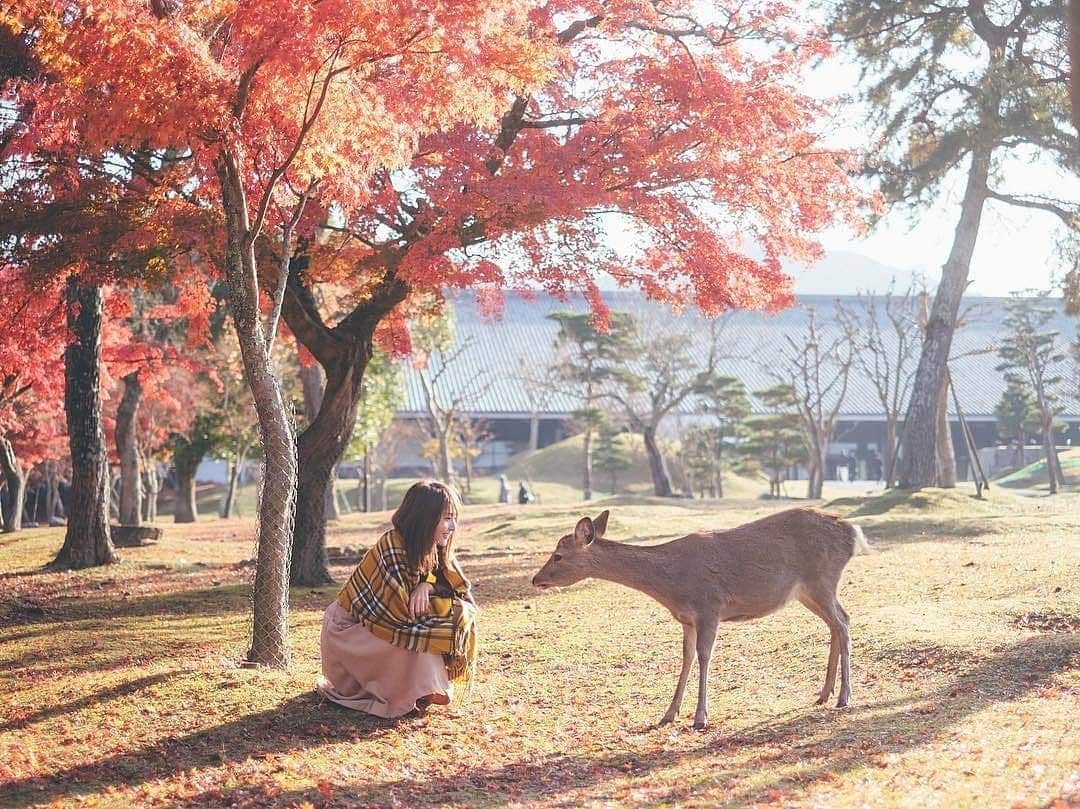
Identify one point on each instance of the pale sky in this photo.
(1015, 248)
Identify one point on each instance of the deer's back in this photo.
(762, 561)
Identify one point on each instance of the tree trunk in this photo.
(586, 470)
(186, 509)
(277, 501)
(815, 478)
(53, 506)
(87, 542)
(228, 503)
(152, 487)
(311, 379)
(344, 356)
(15, 492)
(534, 431)
(657, 468)
(917, 467)
(320, 448)
(445, 462)
(890, 451)
(1051, 458)
(945, 463)
(127, 449)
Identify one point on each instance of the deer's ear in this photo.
(584, 533)
(600, 523)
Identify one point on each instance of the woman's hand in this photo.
(418, 601)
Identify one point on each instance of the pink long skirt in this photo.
(365, 673)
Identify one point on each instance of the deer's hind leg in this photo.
(689, 652)
(822, 602)
(706, 638)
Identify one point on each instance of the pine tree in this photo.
(1030, 354)
(591, 351)
(1017, 416)
(609, 454)
(724, 398)
(775, 439)
(960, 86)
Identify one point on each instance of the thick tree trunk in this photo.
(277, 501)
(657, 468)
(127, 449)
(320, 448)
(344, 354)
(87, 542)
(311, 379)
(945, 465)
(917, 468)
(15, 492)
(186, 509)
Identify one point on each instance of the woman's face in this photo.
(444, 530)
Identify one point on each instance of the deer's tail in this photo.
(858, 541)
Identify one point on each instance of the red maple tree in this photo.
(269, 102)
(668, 151)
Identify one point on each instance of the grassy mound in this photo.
(959, 502)
(1034, 476)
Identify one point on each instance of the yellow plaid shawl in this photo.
(377, 595)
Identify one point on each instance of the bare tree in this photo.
(541, 384)
(382, 457)
(472, 436)
(887, 350)
(444, 400)
(819, 366)
(657, 383)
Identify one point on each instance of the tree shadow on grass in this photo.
(115, 692)
(296, 723)
(818, 745)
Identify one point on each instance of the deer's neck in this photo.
(641, 568)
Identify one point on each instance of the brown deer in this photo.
(735, 575)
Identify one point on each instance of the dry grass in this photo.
(121, 687)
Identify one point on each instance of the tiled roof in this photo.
(489, 372)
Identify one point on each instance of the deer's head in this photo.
(572, 560)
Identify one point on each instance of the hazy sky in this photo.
(1015, 248)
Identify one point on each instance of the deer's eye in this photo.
(556, 557)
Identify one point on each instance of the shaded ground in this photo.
(121, 686)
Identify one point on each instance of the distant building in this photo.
(502, 353)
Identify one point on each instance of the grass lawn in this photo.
(121, 685)
(1034, 475)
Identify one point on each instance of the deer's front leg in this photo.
(689, 649)
(706, 637)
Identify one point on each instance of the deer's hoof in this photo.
(667, 720)
(822, 699)
(842, 702)
(700, 725)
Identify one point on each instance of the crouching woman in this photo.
(401, 634)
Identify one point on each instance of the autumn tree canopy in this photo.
(669, 151)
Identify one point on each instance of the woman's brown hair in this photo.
(416, 520)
